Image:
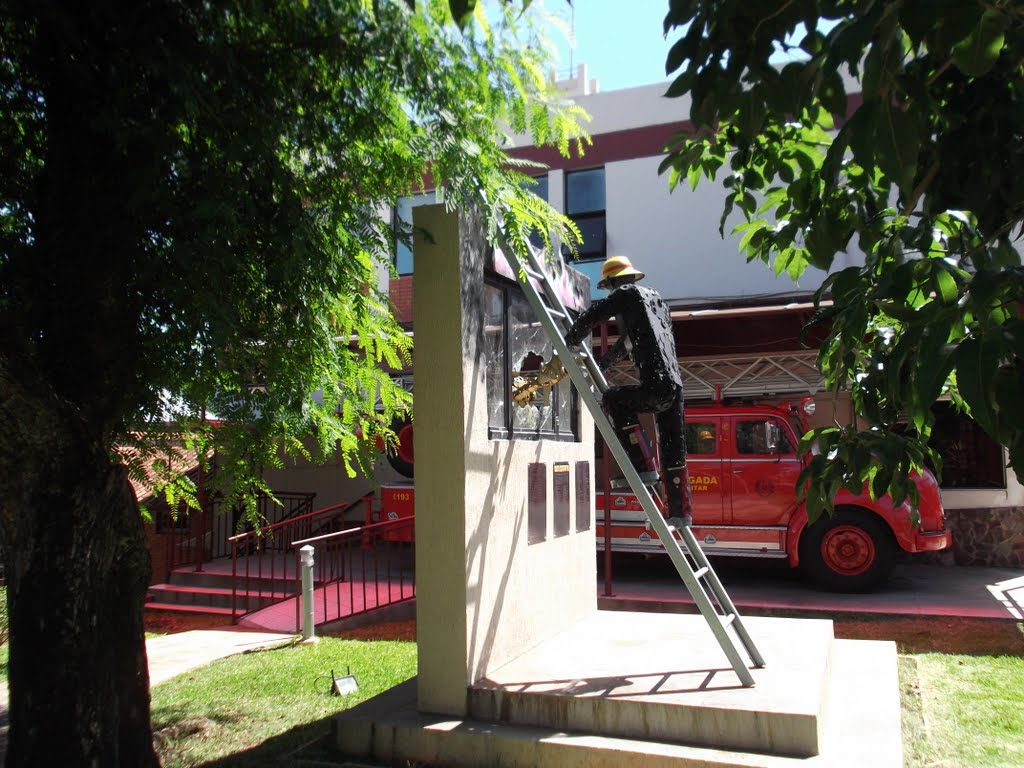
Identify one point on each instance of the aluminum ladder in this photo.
(700, 578)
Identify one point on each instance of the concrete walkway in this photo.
(171, 655)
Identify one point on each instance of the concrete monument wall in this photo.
(485, 594)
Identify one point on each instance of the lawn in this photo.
(264, 708)
(272, 708)
(962, 710)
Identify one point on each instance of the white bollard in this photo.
(306, 559)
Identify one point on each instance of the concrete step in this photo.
(214, 596)
(400, 735)
(185, 577)
(186, 608)
(662, 677)
(861, 723)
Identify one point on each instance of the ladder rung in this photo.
(727, 620)
(699, 573)
(556, 313)
(533, 273)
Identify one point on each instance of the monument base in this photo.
(654, 690)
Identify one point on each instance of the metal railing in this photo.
(359, 570)
(205, 536)
(263, 567)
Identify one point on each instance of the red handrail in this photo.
(217, 522)
(346, 505)
(267, 568)
(352, 578)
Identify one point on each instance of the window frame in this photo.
(596, 214)
(984, 457)
(508, 431)
(427, 197)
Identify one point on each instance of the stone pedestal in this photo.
(487, 590)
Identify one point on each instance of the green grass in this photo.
(263, 708)
(961, 711)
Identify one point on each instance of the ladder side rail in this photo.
(536, 259)
(720, 594)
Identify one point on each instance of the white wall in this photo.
(674, 238)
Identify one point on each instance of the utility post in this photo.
(306, 560)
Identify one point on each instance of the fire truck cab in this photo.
(743, 466)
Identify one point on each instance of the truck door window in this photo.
(762, 437)
(701, 438)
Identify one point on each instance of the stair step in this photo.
(185, 608)
(184, 589)
(215, 580)
(218, 597)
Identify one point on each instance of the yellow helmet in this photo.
(618, 266)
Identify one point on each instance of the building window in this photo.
(516, 346)
(540, 189)
(585, 205)
(402, 226)
(970, 458)
(762, 438)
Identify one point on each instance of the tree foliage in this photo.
(894, 130)
(195, 217)
(241, 165)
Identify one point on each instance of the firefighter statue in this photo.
(645, 336)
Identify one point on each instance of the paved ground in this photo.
(765, 587)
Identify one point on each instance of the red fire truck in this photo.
(743, 465)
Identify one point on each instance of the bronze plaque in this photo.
(584, 498)
(537, 503)
(560, 487)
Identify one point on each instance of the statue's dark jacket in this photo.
(645, 332)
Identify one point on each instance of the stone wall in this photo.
(992, 536)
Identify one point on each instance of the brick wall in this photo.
(400, 290)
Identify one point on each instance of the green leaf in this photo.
(680, 86)
(462, 11)
(976, 54)
(677, 54)
(976, 362)
(897, 146)
(945, 283)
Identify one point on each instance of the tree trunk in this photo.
(78, 568)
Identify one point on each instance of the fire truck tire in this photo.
(403, 459)
(852, 551)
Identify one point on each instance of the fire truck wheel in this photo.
(403, 459)
(852, 551)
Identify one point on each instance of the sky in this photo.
(620, 41)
